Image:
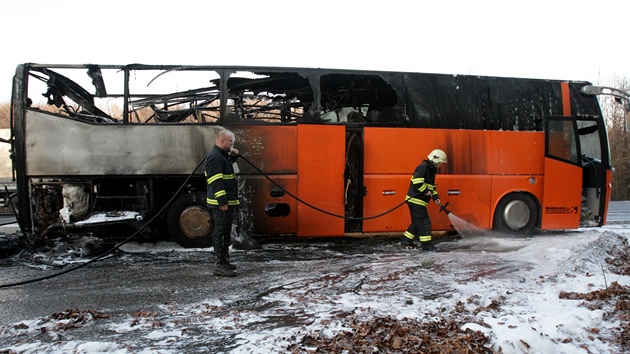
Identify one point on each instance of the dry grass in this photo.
(139, 116)
(5, 115)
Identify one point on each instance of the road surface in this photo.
(139, 280)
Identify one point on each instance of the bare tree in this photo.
(619, 140)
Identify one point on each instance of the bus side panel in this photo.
(469, 198)
(562, 195)
(73, 148)
(272, 149)
(383, 193)
(515, 153)
(396, 150)
(470, 152)
(78, 148)
(482, 167)
(321, 165)
(388, 170)
(390, 156)
(256, 197)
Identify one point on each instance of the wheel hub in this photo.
(195, 221)
(516, 214)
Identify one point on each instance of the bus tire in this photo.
(516, 214)
(189, 221)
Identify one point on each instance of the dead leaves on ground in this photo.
(390, 335)
(73, 318)
(60, 322)
(615, 294)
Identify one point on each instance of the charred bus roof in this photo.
(236, 95)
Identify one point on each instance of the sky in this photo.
(546, 39)
(510, 285)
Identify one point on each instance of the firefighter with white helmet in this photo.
(421, 190)
(438, 157)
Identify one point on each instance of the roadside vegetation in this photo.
(5, 114)
(619, 140)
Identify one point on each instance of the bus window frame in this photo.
(576, 139)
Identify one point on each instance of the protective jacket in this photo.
(221, 182)
(422, 181)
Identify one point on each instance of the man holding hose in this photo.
(421, 190)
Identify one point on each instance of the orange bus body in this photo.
(483, 167)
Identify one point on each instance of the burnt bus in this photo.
(324, 150)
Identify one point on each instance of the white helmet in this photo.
(437, 156)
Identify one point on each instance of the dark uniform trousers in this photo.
(420, 225)
(221, 232)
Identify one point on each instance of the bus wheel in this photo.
(516, 214)
(189, 221)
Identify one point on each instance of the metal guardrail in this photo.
(8, 194)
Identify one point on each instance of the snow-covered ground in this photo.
(563, 292)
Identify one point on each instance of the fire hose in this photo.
(121, 243)
(115, 247)
(314, 207)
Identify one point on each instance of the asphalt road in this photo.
(128, 282)
(618, 213)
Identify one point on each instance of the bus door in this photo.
(390, 156)
(596, 170)
(388, 166)
(561, 204)
(321, 164)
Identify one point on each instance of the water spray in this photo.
(463, 227)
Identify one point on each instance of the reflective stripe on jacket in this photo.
(422, 181)
(220, 179)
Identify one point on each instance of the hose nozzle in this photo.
(443, 208)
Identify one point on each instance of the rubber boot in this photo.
(226, 256)
(407, 243)
(221, 267)
(428, 246)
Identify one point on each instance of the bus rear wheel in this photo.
(517, 213)
(189, 221)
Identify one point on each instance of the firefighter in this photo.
(421, 191)
(222, 198)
